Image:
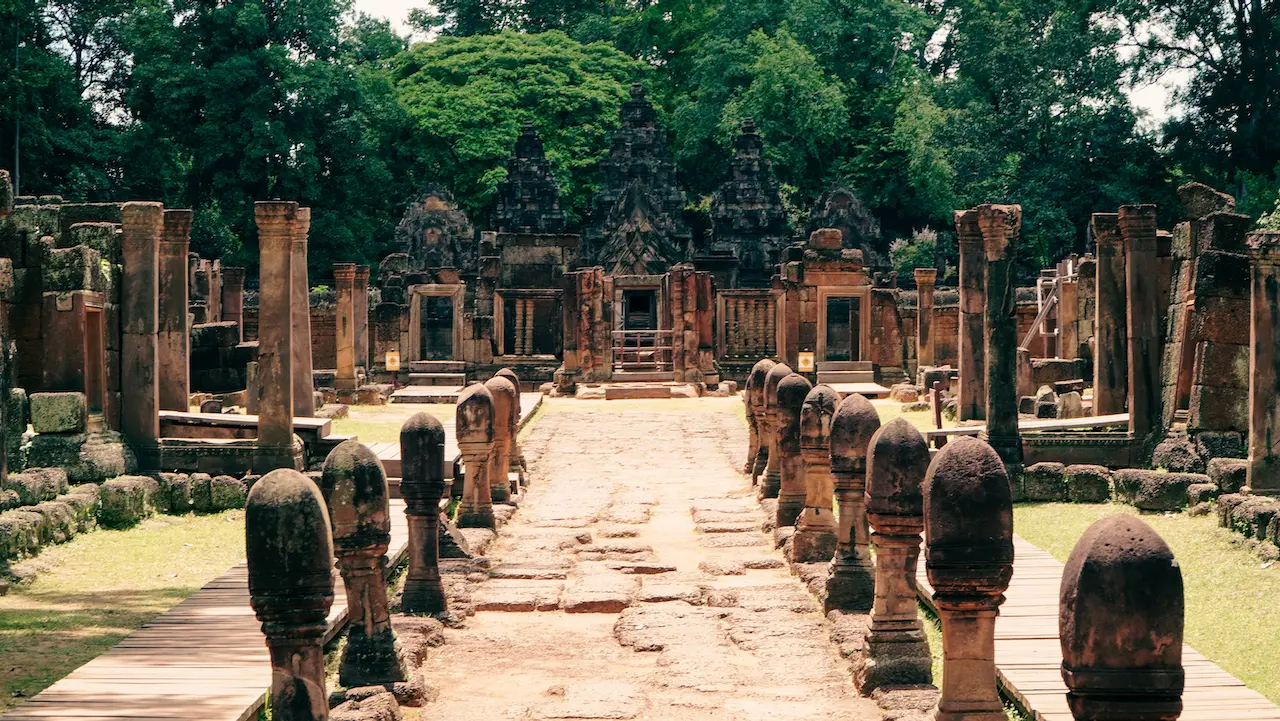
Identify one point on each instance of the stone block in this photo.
(59, 521)
(59, 412)
(1088, 484)
(1219, 444)
(9, 499)
(83, 501)
(1222, 274)
(215, 335)
(1252, 516)
(1218, 409)
(1198, 493)
(1045, 482)
(904, 393)
(1047, 371)
(202, 493)
(1227, 503)
(1155, 490)
(1220, 319)
(105, 238)
(1046, 409)
(1070, 405)
(125, 501)
(226, 492)
(19, 412)
(1177, 455)
(1223, 365)
(72, 269)
(19, 534)
(1228, 474)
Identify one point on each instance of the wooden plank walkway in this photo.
(1047, 424)
(1029, 655)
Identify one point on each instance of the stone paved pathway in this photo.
(634, 583)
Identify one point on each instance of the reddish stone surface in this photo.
(851, 584)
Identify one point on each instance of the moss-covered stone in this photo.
(87, 458)
(72, 269)
(1198, 493)
(1253, 515)
(179, 493)
(19, 534)
(84, 502)
(202, 493)
(1219, 444)
(66, 412)
(1045, 482)
(1177, 455)
(9, 499)
(105, 238)
(226, 492)
(1088, 484)
(1229, 474)
(60, 521)
(1155, 490)
(126, 500)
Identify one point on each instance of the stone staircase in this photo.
(830, 372)
(432, 381)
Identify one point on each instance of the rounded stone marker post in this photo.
(772, 472)
(422, 485)
(517, 453)
(758, 457)
(791, 491)
(851, 585)
(1120, 621)
(289, 549)
(815, 538)
(474, 425)
(968, 530)
(504, 402)
(897, 649)
(355, 489)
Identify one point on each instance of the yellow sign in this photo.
(806, 363)
(393, 360)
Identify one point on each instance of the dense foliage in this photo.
(921, 106)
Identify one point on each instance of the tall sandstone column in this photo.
(1264, 366)
(275, 221)
(304, 399)
(925, 280)
(973, 308)
(1000, 225)
(139, 322)
(1138, 228)
(362, 316)
(1110, 354)
(344, 276)
(174, 340)
(233, 298)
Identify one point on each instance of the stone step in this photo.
(866, 366)
(830, 377)
(437, 366)
(426, 394)
(450, 380)
(643, 376)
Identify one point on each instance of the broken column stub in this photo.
(968, 527)
(517, 453)
(1120, 622)
(355, 489)
(422, 484)
(792, 391)
(758, 456)
(772, 472)
(474, 424)
(504, 407)
(815, 537)
(897, 649)
(851, 585)
(289, 548)
(1264, 365)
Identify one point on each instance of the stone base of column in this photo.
(424, 596)
(476, 518)
(759, 465)
(371, 660)
(267, 458)
(789, 510)
(344, 384)
(1009, 448)
(896, 661)
(500, 492)
(148, 455)
(851, 586)
(812, 544)
(772, 484)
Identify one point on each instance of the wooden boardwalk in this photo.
(1029, 656)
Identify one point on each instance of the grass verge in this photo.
(381, 424)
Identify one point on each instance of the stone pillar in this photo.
(1120, 623)
(758, 453)
(505, 399)
(925, 279)
(815, 538)
(422, 485)
(973, 301)
(304, 398)
(233, 298)
(1264, 365)
(517, 452)
(139, 324)
(344, 277)
(1138, 228)
(1000, 225)
(355, 489)
(275, 221)
(1068, 317)
(897, 651)
(173, 340)
(362, 316)
(851, 585)
(474, 423)
(1110, 349)
(968, 531)
(289, 548)
(773, 469)
(792, 391)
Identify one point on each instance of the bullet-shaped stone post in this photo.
(758, 451)
(173, 340)
(139, 321)
(289, 548)
(1110, 354)
(1138, 228)
(504, 400)
(517, 453)
(355, 490)
(753, 436)
(422, 484)
(362, 316)
(851, 584)
(773, 469)
(474, 420)
(972, 404)
(1120, 623)
(968, 530)
(925, 280)
(275, 221)
(304, 397)
(1264, 366)
(233, 298)
(897, 651)
(792, 391)
(1000, 225)
(344, 277)
(815, 537)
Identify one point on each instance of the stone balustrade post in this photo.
(925, 280)
(1000, 225)
(344, 277)
(792, 391)
(233, 298)
(517, 452)
(504, 401)
(1264, 365)
(757, 414)
(474, 423)
(773, 468)
(304, 397)
(275, 220)
(815, 538)
(173, 339)
(972, 404)
(1110, 350)
(851, 585)
(422, 484)
(139, 324)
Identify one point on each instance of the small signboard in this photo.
(806, 363)
(393, 360)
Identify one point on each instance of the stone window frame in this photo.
(414, 295)
(500, 296)
(722, 319)
(862, 292)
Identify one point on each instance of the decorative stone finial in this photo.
(289, 549)
(505, 400)
(753, 396)
(815, 538)
(790, 395)
(851, 585)
(926, 276)
(474, 421)
(1000, 225)
(772, 472)
(422, 484)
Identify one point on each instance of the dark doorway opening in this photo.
(640, 310)
(844, 329)
(437, 327)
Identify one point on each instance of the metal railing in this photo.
(635, 350)
(1048, 295)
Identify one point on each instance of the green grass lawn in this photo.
(1231, 595)
(381, 424)
(922, 420)
(90, 593)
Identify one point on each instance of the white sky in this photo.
(394, 10)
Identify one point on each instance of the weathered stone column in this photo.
(1000, 225)
(815, 538)
(173, 340)
(139, 323)
(422, 485)
(1068, 317)
(1120, 621)
(897, 651)
(517, 453)
(474, 423)
(289, 548)
(851, 585)
(504, 402)
(757, 414)
(355, 490)
(773, 468)
(968, 530)
(792, 391)
(304, 397)
(972, 404)
(925, 280)
(233, 297)
(1138, 228)
(344, 277)
(362, 316)
(1264, 365)
(275, 221)
(1110, 350)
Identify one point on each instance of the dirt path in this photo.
(634, 583)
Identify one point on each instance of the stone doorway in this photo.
(437, 328)
(95, 387)
(640, 310)
(844, 320)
